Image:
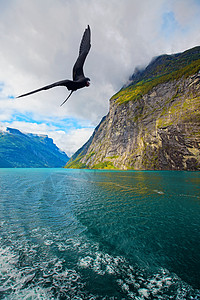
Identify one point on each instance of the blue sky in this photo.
(40, 42)
(169, 25)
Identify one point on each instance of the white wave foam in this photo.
(47, 275)
(159, 192)
(134, 282)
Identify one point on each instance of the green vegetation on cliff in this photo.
(139, 89)
(185, 110)
(106, 165)
(76, 163)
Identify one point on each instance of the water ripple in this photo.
(70, 234)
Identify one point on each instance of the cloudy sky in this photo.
(40, 42)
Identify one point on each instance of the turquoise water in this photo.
(83, 234)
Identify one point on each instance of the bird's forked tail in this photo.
(66, 99)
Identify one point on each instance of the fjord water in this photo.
(86, 234)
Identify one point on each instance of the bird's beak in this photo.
(87, 83)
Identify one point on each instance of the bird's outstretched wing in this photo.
(66, 83)
(83, 52)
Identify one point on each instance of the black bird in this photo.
(79, 80)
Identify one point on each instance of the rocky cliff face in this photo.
(151, 125)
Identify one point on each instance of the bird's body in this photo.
(79, 80)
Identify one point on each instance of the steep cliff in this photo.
(153, 123)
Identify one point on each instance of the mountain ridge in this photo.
(26, 150)
(168, 64)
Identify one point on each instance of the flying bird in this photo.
(79, 80)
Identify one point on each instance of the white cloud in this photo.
(73, 140)
(40, 42)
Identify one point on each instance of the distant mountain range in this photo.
(26, 150)
(153, 121)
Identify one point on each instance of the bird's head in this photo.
(87, 81)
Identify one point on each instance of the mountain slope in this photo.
(153, 123)
(29, 150)
(166, 64)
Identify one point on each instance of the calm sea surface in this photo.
(83, 234)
